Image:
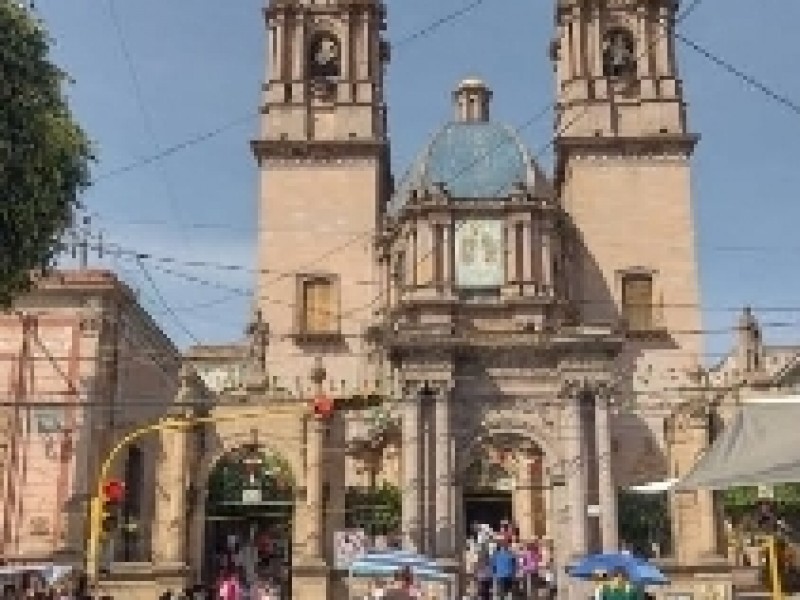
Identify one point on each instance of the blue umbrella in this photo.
(637, 569)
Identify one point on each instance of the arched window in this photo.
(619, 53)
(324, 56)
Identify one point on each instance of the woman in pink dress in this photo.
(230, 588)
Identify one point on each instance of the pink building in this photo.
(81, 362)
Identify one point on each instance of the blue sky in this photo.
(198, 66)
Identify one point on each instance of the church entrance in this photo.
(487, 508)
(249, 521)
(503, 487)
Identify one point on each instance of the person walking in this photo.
(230, 588)
(530, 559)
(483, 575)
(504, 570)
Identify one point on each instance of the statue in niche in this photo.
(324, 57)
(619, 58)
(258, 334)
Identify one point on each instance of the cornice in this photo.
(644, 146)
(318, 149)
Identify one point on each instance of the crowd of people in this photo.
(502, 566)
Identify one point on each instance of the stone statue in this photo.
(258, 338)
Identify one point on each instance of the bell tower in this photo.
(323, 157)
(623, 153)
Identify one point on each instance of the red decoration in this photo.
(323, 407)
(113, 490)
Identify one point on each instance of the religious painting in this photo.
(479, 253)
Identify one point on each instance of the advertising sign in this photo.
(348, 546)
(479, 253)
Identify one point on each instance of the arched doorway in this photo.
(504, 481)
(249, 512)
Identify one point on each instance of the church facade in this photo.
(522, 337)
(545, 320)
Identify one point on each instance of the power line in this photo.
(438, 23)
(174, 149)
(562, 130)
(217, 131)
(145, 113)
(747, 78)
(165, 304)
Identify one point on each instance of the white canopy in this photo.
(760, 447)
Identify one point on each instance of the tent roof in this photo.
(759, 447)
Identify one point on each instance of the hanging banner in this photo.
(479, 253)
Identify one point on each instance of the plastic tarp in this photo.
(761, 446)
(377, 564)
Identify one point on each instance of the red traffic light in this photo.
(323, 407)
(113, 490)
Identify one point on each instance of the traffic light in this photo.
(113, 495)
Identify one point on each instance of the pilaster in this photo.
(411, 488)
(609, 528)
(575, 476)
(443, 492)
(309, 514)
(169, 539)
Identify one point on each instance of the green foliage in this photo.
(643, 521)
(377, 511)
(739, 499)
(44, 154)
(240, 471)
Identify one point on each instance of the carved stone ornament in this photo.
(600, 387)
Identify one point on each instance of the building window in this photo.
(637, 301)
(319, 305)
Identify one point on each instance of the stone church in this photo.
(522, 337)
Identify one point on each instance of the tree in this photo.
(44, 154)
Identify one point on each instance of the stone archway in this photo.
(249, 513)
(505, 478)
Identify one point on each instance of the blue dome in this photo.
(474, 160)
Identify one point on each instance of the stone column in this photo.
(546, 242)
(447, 260)
(527, 252)
(607, 488)
(443, 492)
(411, 471)
(169, 539)
(315, 478)
(575, 476)
(523, 501)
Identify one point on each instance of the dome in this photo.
(473, 157)
(474, 160)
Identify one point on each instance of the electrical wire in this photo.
(175, 316)
(751, 80)
(217, 131)
(147, 119)
(438, 23)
